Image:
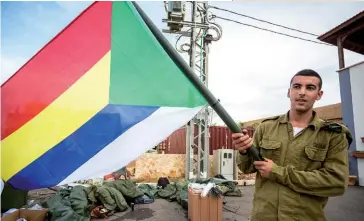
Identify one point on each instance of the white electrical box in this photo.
(224, 163)
(176, 11)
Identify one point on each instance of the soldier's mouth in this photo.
(301, 100)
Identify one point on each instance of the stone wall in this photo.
(149, 167)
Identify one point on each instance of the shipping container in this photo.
(219, 138)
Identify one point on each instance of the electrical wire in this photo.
(199, 33)
(264, 29)
(261, 20)
(176, 46)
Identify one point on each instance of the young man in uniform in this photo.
(306, 158)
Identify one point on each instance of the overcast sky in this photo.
(249, 69)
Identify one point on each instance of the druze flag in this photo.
(96, 97)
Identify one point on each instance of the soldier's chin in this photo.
(300, 108)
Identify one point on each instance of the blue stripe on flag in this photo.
(64, 158)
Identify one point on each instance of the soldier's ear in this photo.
(288, 95)
(319, 95)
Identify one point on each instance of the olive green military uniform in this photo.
(308, 169)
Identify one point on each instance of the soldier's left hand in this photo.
(264, 167)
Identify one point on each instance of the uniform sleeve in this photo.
(244, 162)
(330, 180)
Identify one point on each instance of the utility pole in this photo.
(198, 51)
(190, 127)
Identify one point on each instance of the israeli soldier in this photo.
(305, 157)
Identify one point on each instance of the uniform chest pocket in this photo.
(270, 149)
(313, 158)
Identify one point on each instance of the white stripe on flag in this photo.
(134, 142)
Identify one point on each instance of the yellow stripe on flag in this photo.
(61, 118)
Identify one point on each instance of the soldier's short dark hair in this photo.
(308, 72)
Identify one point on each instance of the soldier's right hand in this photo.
(241, 142)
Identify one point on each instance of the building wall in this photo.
(331, 112)
(347, 111)
(357, 91)
(352, 92)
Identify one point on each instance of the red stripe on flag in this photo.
(58, 65)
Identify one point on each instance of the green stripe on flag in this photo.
(142, 73)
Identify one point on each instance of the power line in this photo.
(264, 29)
(257, 19)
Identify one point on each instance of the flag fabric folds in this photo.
(96, 97)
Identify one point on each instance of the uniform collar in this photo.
(315, 123)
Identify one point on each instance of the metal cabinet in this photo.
(224, 163)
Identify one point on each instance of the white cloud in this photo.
(17, 49)
(75, 7)
(250, 69)
(9, 65)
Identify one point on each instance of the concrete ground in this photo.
(347, 207)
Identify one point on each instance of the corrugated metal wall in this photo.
(220, 137)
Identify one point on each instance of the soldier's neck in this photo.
(300, 119)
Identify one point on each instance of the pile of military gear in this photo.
(81, 202)
(179, 191)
